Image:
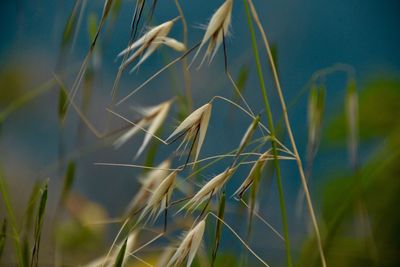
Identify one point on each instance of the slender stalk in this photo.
(289, 130)
(186, 74)
(11, 216)
(273, 141)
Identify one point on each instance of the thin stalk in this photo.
(186, 74)
(273, 141)
(11, 216)
(288, 127)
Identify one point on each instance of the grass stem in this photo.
(272, 130)
(288, 127)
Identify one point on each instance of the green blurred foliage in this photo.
(379, 111)
(360, 208)
(12, 85)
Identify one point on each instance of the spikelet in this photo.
(149, 42)
(217, 29)
(257, 167)
(208, 190)
(149, 184)
(195, 126)
(154, 118)
(189, 246)
(156, 122)
(247, 136)
(159, 197)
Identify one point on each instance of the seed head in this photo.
(149, 42)
(153, 118)
(217, 29)
(195, 126)
(149, 184)
(257, 167)
(208, 190)
(159, 197)
(189, 246)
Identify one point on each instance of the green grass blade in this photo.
(121, 255)
(28, 223)
(92, 24)
(3, 236)
(242, 77)
(35, 193)
(218, 230)
(13, 222)
(69, 27)
(26, 251)
(272, 130)
(68, 180)
(62, 103)
(38, 225)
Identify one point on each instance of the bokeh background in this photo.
(358, 207)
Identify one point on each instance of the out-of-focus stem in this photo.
(185, 69)
(290, 133)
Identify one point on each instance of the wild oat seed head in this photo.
(208, 190)
(217, 29)
(156, 120)
(149, 183)
(257, 166)
(148, 43)
(160, 194)
(197, 121)
(189, 246)
(153, 118)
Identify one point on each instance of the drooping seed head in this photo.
(257, 168)
(174, 44)
(195, 124)
(149, 183)
(159, 197)
(148, 43)
(153, 118)
(189, 246)
(217, 29)
(209, 189)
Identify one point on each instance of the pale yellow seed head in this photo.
(209, 189)
(189, 246)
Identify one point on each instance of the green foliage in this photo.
(378, 111)
(39, 224)
(70, 25)
(62, 103)
(362, 227)
(242, 77)
(121, 255)
(3, 235)
(92, 25)
(218, 229)
(75, 238)
(13, 221)
(68, 180)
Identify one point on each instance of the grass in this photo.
(173, 196)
